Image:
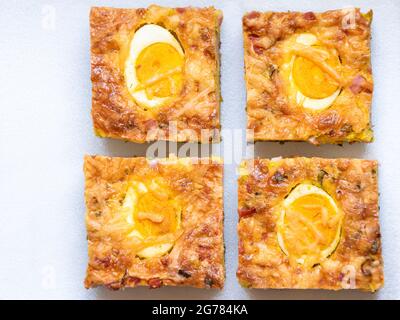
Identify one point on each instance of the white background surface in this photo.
(45, 129)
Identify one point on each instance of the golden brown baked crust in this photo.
(352, 183)
(269, 111)
(115, 114)
(196, 259)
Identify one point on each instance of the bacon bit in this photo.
(246, 212)
(253, 36)
(205, 34)
(209, 52)
(241, 248)
(151, 124)
(340, 35)
(309, 16)
(206, 230)
(110, 45)
(180, 10)
(155, 283)
(259, 172)
(140, 11)
(104, 262)
(249, 188)
(359, 84)
(204, 253)
(252, 15)
(258, 49)
(164, 261)
(113, 285)
(131, 281)
(366, 267)
(182, 25)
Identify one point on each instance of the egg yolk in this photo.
(310, 228)
(312, 80)
(159, 70)
(156, 213)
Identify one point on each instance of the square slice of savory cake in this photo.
(155, 73)
(154, 222)
(309, 223)
(308, 76)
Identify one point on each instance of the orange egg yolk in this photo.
(310, 226)
(159, 70)
(156, 213)
(312, 80)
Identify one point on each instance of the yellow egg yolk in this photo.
(311, 228)
(156, 212)
(159, 70)
(311, 79)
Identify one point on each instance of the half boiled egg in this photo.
(312, 72)
(154, 66)
(309, 225)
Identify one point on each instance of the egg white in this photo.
(145, 36)
(300, 191)
(316, 104)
